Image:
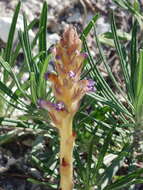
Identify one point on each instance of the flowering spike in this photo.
(68, 90)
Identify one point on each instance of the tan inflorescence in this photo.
(68, 90)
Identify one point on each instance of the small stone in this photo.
(5, 24)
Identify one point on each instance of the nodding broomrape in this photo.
(68, 90)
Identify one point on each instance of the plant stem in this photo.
(67, 140)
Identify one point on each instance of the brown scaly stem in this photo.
(67, 139)
(68, 90)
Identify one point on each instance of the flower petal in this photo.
(44, 104)
(71, 74)
(60, 106)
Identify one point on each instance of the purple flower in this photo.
(84, 54)
(59, 106)
(91, 83)
(58, 57)
(52, 63)
(90, 86)
(45, 104)
(42, 103)
(71, 74)
(47, 75)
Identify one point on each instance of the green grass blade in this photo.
(89, 27)
(38, 182)
(80, 166)
(134, 57)
(12, 74)
(89, 161)
(43, 28)
(12, 104)
(139, 74)
(133, 8)
(28, 46)
(33, 88)
(123, 63)
(107, 91)
(89, 69)
(21, 38)
(126, 180)
(120, 3)
(138, 78)
(113, 168)
(103, 151)
(8, 50)
(109, 70)
(9, 46)
(18, 47)
(8, 91)
(42, 82)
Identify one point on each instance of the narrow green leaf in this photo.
(136, 5)
(89, 27)
(139, 74)
(105, 89)
(42, 35)
(8, 68)
(42, 82)
(8, 91)
(6, 138)
(123, 63)
(81, 168)
(134, 57)
(126, 180)
(89, 162)
(18, 47)
(12, 104)
(120, 3)
(103, 152)
(38, 182)
(8, 50)
(133, 8)
(113, 168)
(105, 62)
(138, 78)
(33, 87)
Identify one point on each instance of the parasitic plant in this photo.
(68, 90)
